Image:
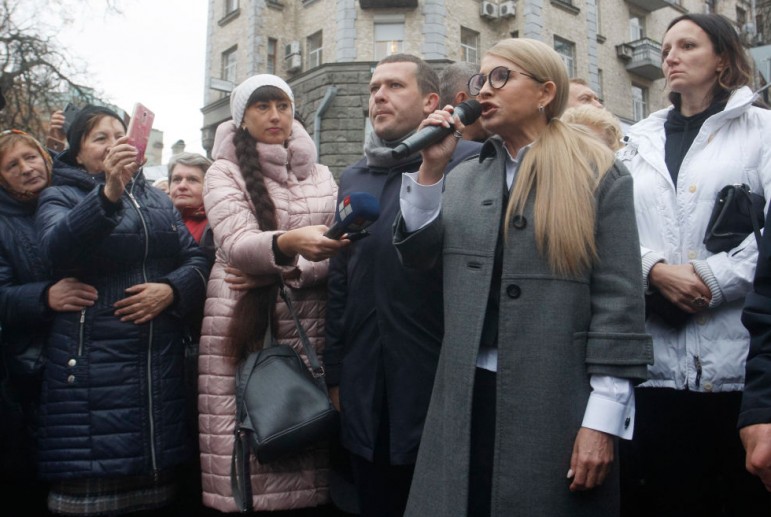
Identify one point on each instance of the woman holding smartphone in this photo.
(113, 397)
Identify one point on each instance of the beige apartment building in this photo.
(326, 50)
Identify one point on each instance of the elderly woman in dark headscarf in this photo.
(113, 401)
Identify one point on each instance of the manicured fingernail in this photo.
(570, 473)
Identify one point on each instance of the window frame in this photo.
(466, 48)
(568, 60)
(271, 58)
(314, 54)
(640, 106)
(390, 46)
(229, 64)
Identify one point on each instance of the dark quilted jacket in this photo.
(113, 400)
(24, 316)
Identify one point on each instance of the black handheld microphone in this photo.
(468, 112)
(355, 212)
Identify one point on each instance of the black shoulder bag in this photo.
(282, 408)
(737, 213)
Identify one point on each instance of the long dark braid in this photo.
(248, 325)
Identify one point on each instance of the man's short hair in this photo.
(428, 81)
(578, 80)
(454, 79)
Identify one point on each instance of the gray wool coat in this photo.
(553, 334)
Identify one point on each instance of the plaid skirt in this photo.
(112, 496)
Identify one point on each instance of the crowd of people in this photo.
(534, 324)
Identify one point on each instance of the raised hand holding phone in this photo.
(120, 165)
(140, 126)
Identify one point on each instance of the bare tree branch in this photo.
(37, 76)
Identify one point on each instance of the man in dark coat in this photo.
(384, 322)
(755, 413)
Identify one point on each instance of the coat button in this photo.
(71, 379)
(513, 291)
(519, 222)
(692, 189)
(71, 363)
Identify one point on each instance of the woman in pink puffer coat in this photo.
(268, 204)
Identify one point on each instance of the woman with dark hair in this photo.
(29, 299)
(686, 457)
(268, 203)
(113, 427)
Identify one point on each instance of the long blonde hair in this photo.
(561, 170)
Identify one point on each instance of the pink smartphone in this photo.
(139, 129)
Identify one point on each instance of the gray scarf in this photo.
(378, 152)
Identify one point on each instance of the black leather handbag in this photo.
(282, 407)
(737, 212)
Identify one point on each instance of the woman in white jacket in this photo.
(686, 457)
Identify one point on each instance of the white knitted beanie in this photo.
(240, 95)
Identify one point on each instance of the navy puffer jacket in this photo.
(113, 400)
(24, 279)
(25, 317)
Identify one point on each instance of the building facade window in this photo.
(271, 58)
(600, 87)
(639, 102)
(469, 45)
(231, 6)
(636, 27)
(314, 46)
(229, 65)
(598, 10)
(389, 39)
(567, 51)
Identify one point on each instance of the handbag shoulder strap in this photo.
(316, 369)
(756, 206)
(240, 472)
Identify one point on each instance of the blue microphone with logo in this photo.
(355, 212)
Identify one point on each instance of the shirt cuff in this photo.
(420, 204)
(611, 406)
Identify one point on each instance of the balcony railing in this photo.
(652, 5)
(387, 4)
(643, 57)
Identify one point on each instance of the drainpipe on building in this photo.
(329, 96)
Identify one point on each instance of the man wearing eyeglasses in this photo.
(384, 322)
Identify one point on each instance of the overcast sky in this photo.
(154, 53)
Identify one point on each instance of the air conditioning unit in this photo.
(624, 51)
(507, 9)
(294, 63)
(488, 10)
(291, 48)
